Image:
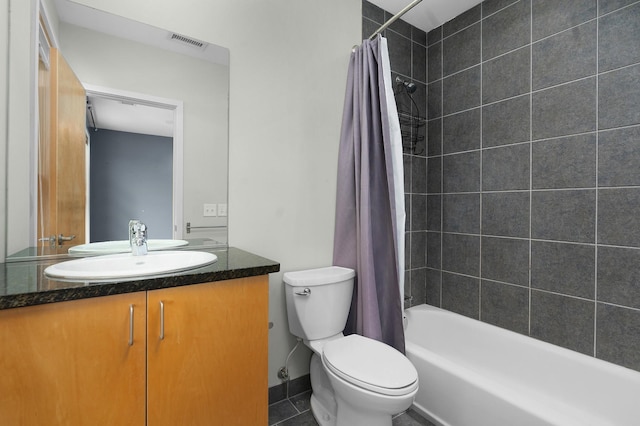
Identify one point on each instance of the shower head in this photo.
(409, 87)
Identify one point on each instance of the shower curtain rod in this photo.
(394, 18)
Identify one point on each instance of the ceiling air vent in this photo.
(188, 41)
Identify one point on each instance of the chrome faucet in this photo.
(138, 237)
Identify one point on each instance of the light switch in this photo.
(222, 209)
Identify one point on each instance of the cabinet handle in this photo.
(161, 320)
(130, 325)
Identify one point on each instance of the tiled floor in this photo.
(295, 411)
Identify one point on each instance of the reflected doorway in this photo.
(130, 177)
(134, 164)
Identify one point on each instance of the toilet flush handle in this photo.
(305, 292)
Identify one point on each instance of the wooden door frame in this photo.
(41, 18)
(178, 142)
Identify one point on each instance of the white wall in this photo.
(4, 49)
(20, 103)
(288, 74)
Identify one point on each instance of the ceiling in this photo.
(428, 14)
(118, 115)
(126, 116)
(113, 113)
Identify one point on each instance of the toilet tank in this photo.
(318, 301)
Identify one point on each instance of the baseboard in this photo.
(287, 389)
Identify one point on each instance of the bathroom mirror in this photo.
(122, 61)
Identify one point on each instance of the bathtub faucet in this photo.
(138, 237)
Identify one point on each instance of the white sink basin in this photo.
(126, 265)
(122, 246)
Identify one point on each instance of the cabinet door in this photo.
(210, 366)
(71, 363)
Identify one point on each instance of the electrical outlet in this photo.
(222, 209)
(210, 210)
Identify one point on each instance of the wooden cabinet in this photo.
(203, 346)
(71, 363)
(211, 366)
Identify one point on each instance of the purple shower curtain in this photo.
(365, 226)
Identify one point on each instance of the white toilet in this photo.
(355, 381)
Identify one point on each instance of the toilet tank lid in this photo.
(320, 276)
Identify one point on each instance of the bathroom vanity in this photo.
(188, 348)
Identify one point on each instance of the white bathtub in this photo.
(476, 374)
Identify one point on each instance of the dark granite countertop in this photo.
(24, 283)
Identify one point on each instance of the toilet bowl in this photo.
(355, 380)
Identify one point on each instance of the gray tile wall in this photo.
(529, 216)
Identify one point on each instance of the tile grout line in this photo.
(533, 91)
(480, 230)
(597, 185)
(279, 422)
(409, 259)
(542, 290)
(530, 163)
(298, 411)
(565, 189)
(441, 164)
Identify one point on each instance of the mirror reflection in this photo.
(132, 124)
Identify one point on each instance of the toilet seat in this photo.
(371, 365)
